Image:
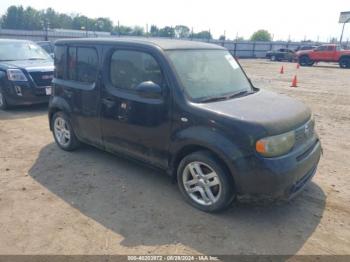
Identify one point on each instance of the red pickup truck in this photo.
(324, 53)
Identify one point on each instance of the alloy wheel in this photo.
(201, 183)
(1, 99)
(62, 131)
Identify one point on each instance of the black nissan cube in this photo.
(185, 107)
(26, 72)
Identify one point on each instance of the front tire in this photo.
(3, 103)
(204, 182)
(63, 132)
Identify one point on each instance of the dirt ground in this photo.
(91, 202)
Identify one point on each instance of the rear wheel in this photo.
(305, 61)
(205, 183)
(344, 62)
(3, 103)
(63, 132)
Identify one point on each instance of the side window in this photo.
(321, 48)
(72, 63)
(87, 65)
(82, 64)
(130, 68)
(60, 60)
(330, 48)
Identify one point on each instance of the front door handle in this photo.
(108, 102)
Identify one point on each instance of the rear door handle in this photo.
(108, 102)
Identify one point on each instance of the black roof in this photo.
(166, 44)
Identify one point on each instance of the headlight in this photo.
(276, 145)
(16, 75)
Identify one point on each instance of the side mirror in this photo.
(148, 89)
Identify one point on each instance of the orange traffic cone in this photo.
(298, 65)
(282, 70)
(294, 81)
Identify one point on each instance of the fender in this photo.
(212, 140)
(58, 104)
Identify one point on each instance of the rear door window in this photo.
(60, 60)
(82, 64)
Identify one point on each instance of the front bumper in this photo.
(30, 94)
(281, 177)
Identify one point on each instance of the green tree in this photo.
(14, 18)
(154, 30)
(123, 30)
(167, 31)
(203, 35)
(261, 35)
(103, 24)
(138, 31)
(182, 31)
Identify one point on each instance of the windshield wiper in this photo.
(225, 97)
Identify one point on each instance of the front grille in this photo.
(42, 78)
(305, 132)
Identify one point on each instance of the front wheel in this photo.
(63, 132)
(204, 183)
(3, 103)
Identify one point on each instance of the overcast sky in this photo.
(295, 18)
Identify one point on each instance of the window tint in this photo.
(60, 59)
(130, 68)
(72, 63)
(321, 48)
(87, 65)
(82, 64)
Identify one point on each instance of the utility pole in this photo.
(342, 31)
(46, 25)
(118, 28)
(86, 26)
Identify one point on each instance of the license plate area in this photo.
(48, 90)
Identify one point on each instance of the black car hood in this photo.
(274, 112)
(30, 65)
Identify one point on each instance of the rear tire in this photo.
(305, 61)
(204, 182)
(3, 103)
(344, 62)
(63, 132)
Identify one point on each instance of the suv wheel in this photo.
(3, 103)
(344, 62)
(63, 132)
(305, 61)
(204, 183)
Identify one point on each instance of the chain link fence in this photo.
(242, 49)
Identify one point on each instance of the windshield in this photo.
(21, 51)
(208, 74)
